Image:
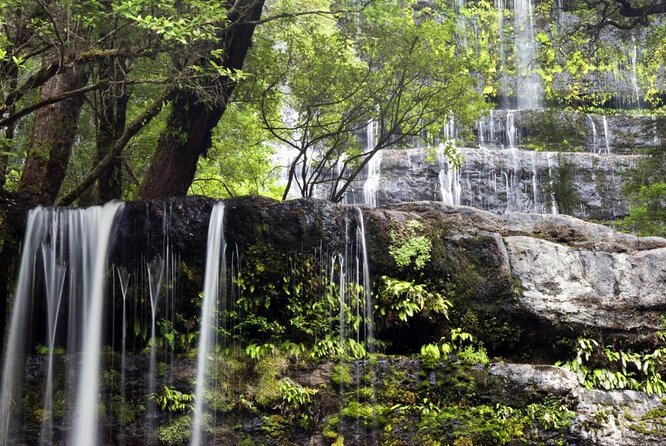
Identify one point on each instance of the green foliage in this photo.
(341, 375)
(647, 213)
(561, 185)
(294, 395)
(409, 245)
(459, 343)
(388, 62)
(173, 400)
(176, 432)
(240, 159)
(610, 369)
(403, 300)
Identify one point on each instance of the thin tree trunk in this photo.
(191, 122)
(53, 134)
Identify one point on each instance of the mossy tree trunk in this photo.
(193, 118)
(53, 134)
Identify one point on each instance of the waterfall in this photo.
(504, 89)
(98, 224)
(634, 73)
(214, 283)
(155, 272)
(594, 133)
(19, 325)
(54, 277)
(528, 82)
(535, 186)
(367, 314)
(553, 201)
(374, 166)
(123, 279)
(606, 134)
(510, 129)
(449, 181)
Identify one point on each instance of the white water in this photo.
(553, 202)
(606, 135)
(214, 283)
(374, 166)
(368, 316)
(634, 73)
(594, 133)
(123, 279)
(511, 129)
(18, 328)
(528, 82)
(54, 276)
(155, 271)
(98, 225)
(449, 181)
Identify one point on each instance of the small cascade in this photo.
(449, 181)
(155, 273)
(606, 135)
(481, 131)
(17, 337)
(553, 201)
(528, 82)
(123, 282)
(510, 129)
(99, 224)
(655, 133)
(54, 275)
(634, 73)
(504, 87)
(214, 287)
(367, 313)
(535, 186)
(594, 133)
(374, 166)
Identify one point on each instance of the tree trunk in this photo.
(53, 134)
(111, 124)
(191, 122)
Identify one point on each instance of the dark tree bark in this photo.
(192, 120)
(111, 124)
(53, 134)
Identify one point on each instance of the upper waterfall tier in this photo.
(582, 184)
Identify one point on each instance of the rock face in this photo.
(526, 285)
(581, 184)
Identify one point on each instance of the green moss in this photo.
(341, 375)
(409, 245)
(368, 414)
(176, 432)
(269, 369)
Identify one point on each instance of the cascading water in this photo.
(594, 133)
(155, 271)
(551, 180)
(54, 275)
(17, 339)
(449, 180)
(100, 222)
(214, 285)
(634, 73)
(606, 134)
(511, 129)
(528, 82)
(374, 166)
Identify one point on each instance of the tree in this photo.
(392, 65)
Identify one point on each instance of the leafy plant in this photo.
(623, 370)
(408, 244)
(173, 400)
(404, 299)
